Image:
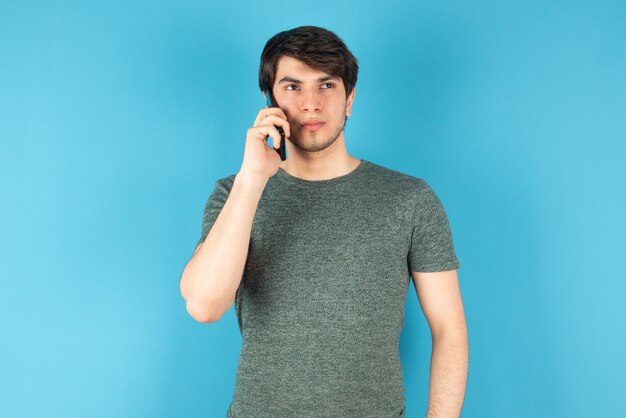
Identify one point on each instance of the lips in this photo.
(312, 124)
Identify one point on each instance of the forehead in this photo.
(289, 66)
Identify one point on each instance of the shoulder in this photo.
(397, 181)
(219, 192)
(225, 184)
(408, 190)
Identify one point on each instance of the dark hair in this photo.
(317, 47)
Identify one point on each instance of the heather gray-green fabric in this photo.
(321, 303)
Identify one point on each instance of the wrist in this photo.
(251, 180)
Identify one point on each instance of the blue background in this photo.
(116, 118)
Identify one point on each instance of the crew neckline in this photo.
(283, 175)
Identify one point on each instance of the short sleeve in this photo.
(214, 205)
(432, 248)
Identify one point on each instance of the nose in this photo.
(310, 100)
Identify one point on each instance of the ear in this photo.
(349, 102)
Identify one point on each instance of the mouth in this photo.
(312, 125)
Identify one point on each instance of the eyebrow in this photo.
(288, 79)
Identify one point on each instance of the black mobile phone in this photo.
(282, 149)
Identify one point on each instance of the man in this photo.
(317, 252)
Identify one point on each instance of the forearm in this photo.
(212, 276)
(448, 374)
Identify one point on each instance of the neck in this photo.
(326, 164)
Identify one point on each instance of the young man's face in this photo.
(306, 96)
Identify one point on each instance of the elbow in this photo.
(200, 309)
(202, 312)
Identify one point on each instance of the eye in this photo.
(329, 84)
(290, 85)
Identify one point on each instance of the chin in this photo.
(312, 145)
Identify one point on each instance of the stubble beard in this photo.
(314, 144)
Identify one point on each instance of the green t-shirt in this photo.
(321, 303)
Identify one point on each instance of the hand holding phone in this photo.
(282, 151)
(259, 160)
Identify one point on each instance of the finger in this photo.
(277, 123)
(259, 117)
(276, 139)
(275, 120)
(278, 111)
(267, 112)
(263, 132)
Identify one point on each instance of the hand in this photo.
(259, 158)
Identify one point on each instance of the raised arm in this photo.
(211, 278)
